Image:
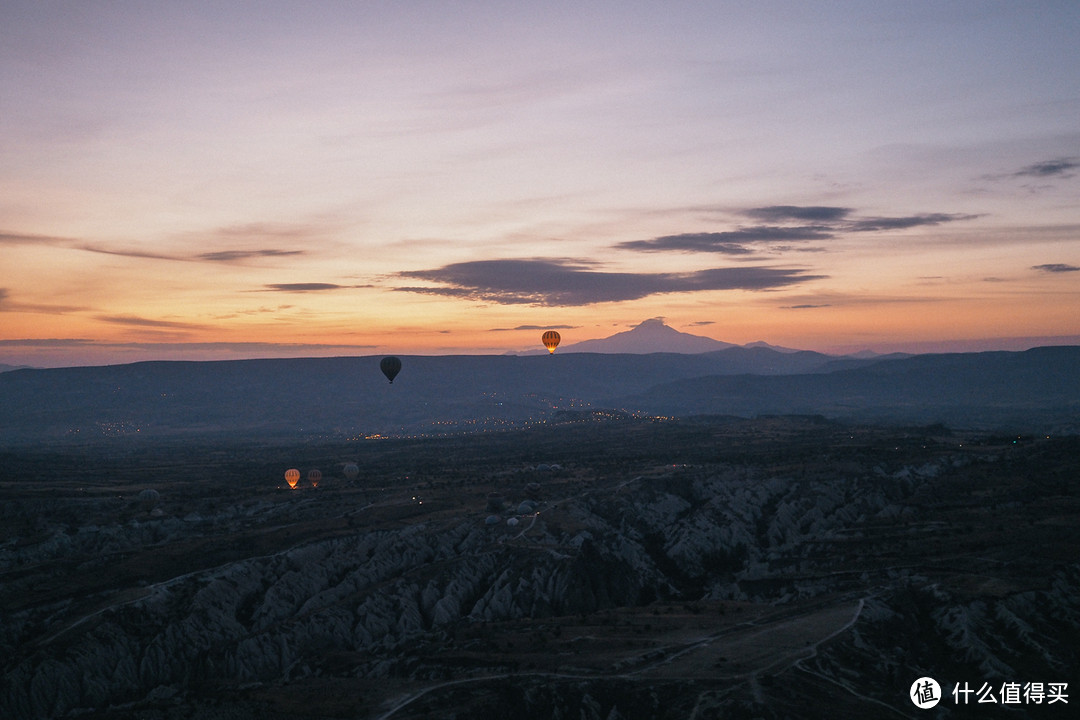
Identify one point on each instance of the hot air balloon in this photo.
(352, 470)
(551, 340)
(314, 476)
(149, 498)
(292, 476)
(390, 367)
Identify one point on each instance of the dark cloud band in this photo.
(879, 224)
(535, 327)
(571, 283)
(146, 322)
(304, 287)
(828, 223)
(731, 242)
(234, 255)
(800, 213)
(1050, 168)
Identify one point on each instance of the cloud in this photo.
(48, 342)
(142, 254)
(57, 351)
(146, 322)
(9, 304)
(826, 223)
(304, 287)
(536, 327)
(699, 323)
(263, 229)
(1049, 168)
(730, 242)
(234, 255)
(802, 213)
(1056, 268)
(264, 310)
(14, 238)
(903, 223)
(833, 298)
(229, 234)
(236, 346)
(563, 282)
(217, 256)
(256, 240)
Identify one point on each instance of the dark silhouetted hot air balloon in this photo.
(149, 498)
(292, 476)
(390, 367)
(314, 476)
(551, 340)
(352, 470)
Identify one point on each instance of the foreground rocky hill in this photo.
(781, 567)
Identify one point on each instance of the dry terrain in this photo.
(595, 568)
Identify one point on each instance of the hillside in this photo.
(342, 396)
(706, 568)
(1038, 389)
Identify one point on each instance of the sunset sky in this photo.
(211, 180)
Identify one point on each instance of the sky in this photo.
(216, 180)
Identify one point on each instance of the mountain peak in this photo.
(650, 336)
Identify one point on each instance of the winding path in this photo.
(660, 657)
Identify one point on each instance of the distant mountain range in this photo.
(1038, 388)
(1034, 390)
(5, 367)
(654, 336)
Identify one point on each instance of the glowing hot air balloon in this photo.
(390, 367)
(314, 476)
(551, 340)
(292, 476)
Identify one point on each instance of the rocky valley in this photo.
(596, 567)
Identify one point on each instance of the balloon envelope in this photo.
(292, 476)
(149, 497)
(551, 340)
(390, 367)
(352, 470)
(314, 476)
